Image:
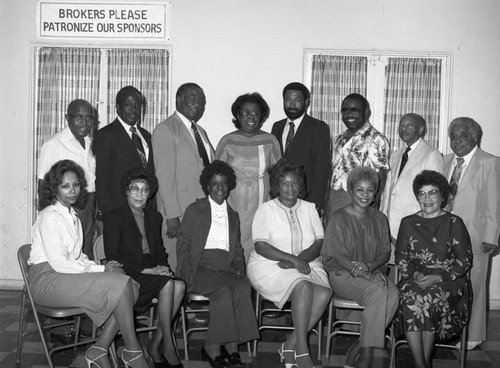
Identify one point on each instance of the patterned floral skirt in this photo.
(443, 308)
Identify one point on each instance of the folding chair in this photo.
(193, 297)
(57, 313)
(260, 314)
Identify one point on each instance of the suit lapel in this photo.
(126, 142)
(471, 170)
(186, 135)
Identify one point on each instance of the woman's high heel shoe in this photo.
(94, 361)
(135, 354)
(282, 352)
(301, 356)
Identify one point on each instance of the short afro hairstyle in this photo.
(360, 173)
(255, 98)
(139, 174)
(217, 167)
(296, 86)
(357, 97)
(283, 167)
(431, 177)
(52, 179)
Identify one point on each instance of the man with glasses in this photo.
(474, 177)
(360, 145)
(305, 141)
(416, 155)
(120, 146)
(74, 143)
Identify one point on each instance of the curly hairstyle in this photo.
(217, 167)
(255, 98)
(52, 179)
(279, 170)
(139, 174)
(431, 177)
(362, 172)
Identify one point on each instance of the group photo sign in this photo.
(103, 20)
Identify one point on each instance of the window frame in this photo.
(101, 104)
(376, 64)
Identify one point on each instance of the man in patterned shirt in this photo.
(360, 145)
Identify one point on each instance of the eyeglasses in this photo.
(253, 114)
(135, 190)
(286, 184)
(350, 110)
(432, 194)
(82, 118)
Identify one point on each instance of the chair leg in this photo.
(184, 334)
(42, 337)
(259, 320)
(21, 328)
(463, 347)
(112, 353)
(392, 360)
(320, 337)
(328, 333)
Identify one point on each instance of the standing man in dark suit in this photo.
(120, 146)
(305, 141)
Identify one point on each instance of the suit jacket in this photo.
(123, 240)
(178, 166)
(115, 153)
(398, 199)
(477, 200)
(193, 234)
(311, 147)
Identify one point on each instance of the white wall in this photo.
(234, 46)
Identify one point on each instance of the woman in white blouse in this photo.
(210, 259)
(61, 275)
(284, 264)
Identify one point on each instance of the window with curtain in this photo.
(394, 85)
(64, 74)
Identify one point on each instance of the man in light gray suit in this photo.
(182, 149)
(398, 200)
(474, 177)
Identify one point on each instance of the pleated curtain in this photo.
(413, 85)
(146, 70)
(333, 78)
(64, 74)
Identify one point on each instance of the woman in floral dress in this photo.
(433, 254)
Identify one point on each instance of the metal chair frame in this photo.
(56, 313)
(193, 297)
(260, 313)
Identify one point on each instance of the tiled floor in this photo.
(488, 356)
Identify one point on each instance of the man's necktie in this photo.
(201, 147)
(289, 137)
(454, 180)
(404, 160)
(455, 177)
(138, 146)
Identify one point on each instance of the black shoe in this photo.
(234, 359)
(217, 362)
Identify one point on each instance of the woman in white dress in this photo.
(284, 265)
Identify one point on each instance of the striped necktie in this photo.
(201, 147)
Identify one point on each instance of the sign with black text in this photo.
(103, 20)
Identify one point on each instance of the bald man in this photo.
(73, 143)
(416, 155)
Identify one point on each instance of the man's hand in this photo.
(173, 226)
(113, 266)
(489, 248)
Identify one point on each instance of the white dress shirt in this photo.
(218, 236)
(127, 129)
(296, 124)
(187, 123)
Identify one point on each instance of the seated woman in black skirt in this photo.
(62, 276)
(132, 236)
